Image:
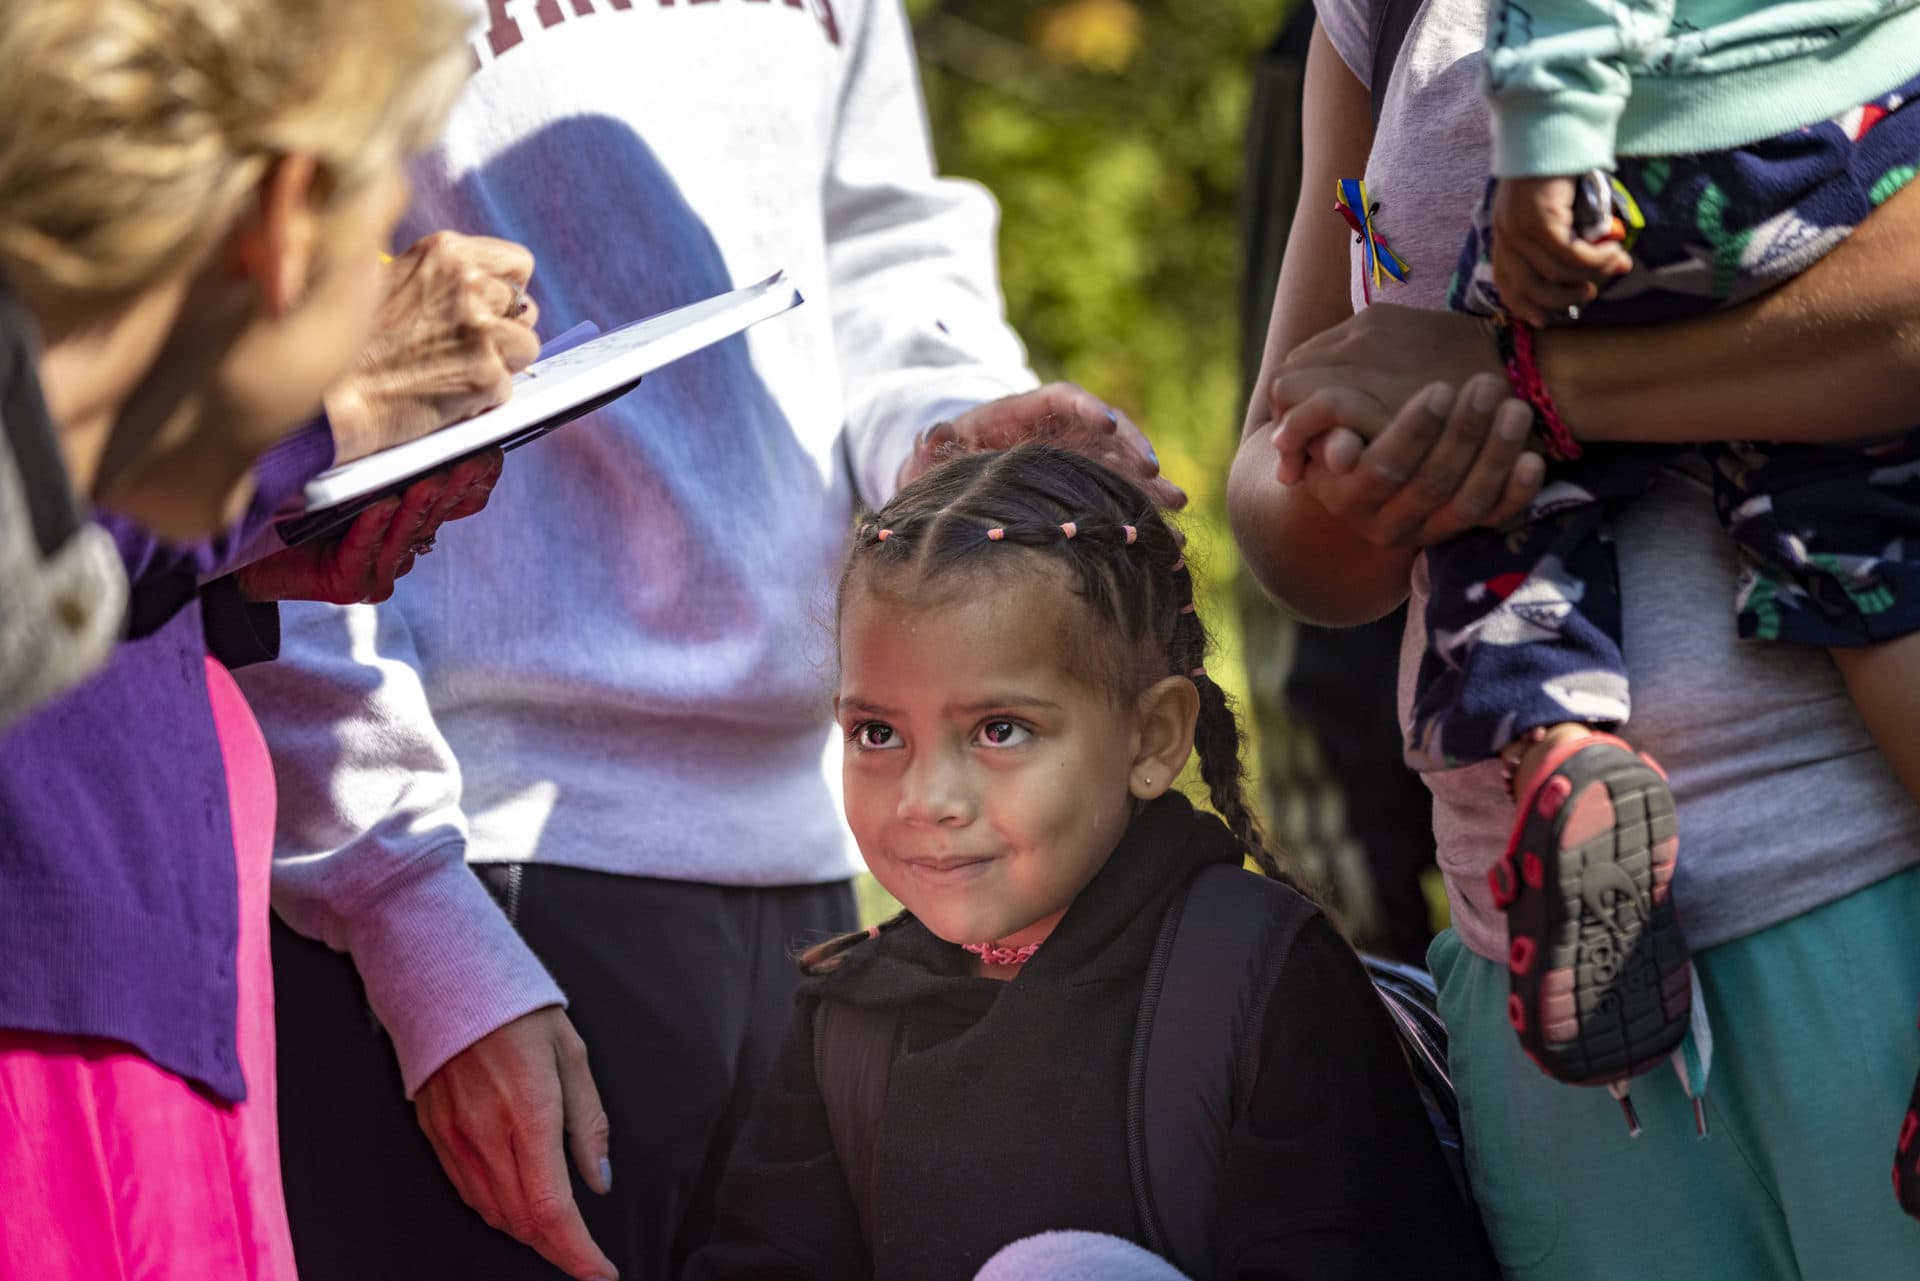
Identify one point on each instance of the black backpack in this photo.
(1195, 1054)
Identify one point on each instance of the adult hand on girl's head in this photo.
(1063, 414)
(1444, 464)
(381, 544)
(454, 329)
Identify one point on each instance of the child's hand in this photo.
(1331, 428)
(1539, 265)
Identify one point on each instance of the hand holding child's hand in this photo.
(1441, 464)
(1539, 265)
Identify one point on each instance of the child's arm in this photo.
(1333, 1172)
(784, 1212)
(1343, 554)
(1557, 80)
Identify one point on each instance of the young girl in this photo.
(1021, 680)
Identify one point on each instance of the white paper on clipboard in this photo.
(546, 394)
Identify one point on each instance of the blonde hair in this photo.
(136, 130)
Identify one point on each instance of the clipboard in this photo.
(576, 374)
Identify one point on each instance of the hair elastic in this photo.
(1069, 529)
(1180, 564)
(1187, 608)
(885, 534)
(1197, 673)
(866, 530)
(995, 534)
(1132, 534)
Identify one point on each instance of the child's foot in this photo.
(1906, 1158)
(1599, 984)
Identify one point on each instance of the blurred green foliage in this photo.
(1113, 134)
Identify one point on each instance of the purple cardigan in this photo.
(119, 911)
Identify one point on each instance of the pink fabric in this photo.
(115, 1170)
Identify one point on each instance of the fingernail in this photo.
(1513, 424)
(1440, 401)
(1486, 394)
(1152, 455)
(606, 1175)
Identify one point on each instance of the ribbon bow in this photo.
(1377, 260)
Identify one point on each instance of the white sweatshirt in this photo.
(624, 664)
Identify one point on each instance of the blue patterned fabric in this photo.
(1523, 624)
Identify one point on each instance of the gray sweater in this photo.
(624, 663)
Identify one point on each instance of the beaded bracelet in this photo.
(1523, 375)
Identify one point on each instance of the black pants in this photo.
(681, 993)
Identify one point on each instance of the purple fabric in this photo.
(117, 869)
(279, 474)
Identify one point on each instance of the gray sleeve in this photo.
(1345, 22)
(63, 588)
(370, 850)
(911, 259)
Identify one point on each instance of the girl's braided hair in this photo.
(991, 512)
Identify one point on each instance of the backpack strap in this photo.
(852, 1059)
(1388, 22)
(1196, 1048)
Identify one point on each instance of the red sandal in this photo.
(1600, 987)
(1906, 1158)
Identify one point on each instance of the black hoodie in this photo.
(1005, 1108)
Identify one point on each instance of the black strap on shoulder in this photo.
(1387, 25)
(1196, 1049)
(852, 1057)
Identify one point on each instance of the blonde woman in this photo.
(193, 196)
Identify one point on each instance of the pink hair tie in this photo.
(1197, 673)
(866, 530)
(1180, 564)
(1132, 534)
(1187, 608)
(995, 534)
(885, 534)
(873, 931)
(1069, 529)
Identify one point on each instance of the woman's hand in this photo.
(1060, 413)
(1443, 464)
(456, 326)
(381, 544)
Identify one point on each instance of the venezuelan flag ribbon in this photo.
(1377, 260)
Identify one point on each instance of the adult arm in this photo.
(927, 359)
(1338, 547)
(370, 858)
(784, 1212)
(917, 315)
(1333, 1172)
(1831, 356)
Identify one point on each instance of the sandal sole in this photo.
(1600, 987)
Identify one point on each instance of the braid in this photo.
(1216, 734)
(825, 957)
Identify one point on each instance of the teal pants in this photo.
(1815, 1050)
